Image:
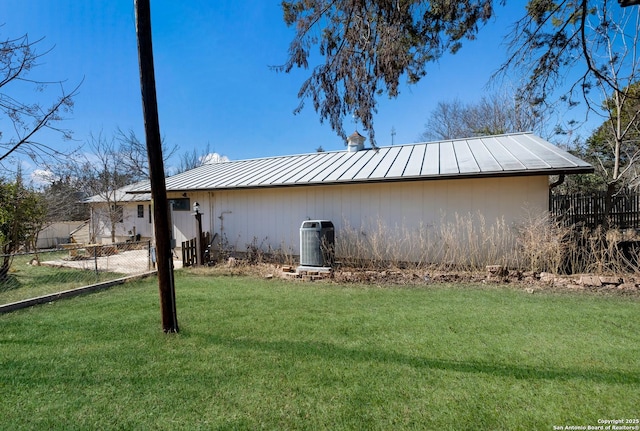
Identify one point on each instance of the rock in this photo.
(610, 280)
(561, 281)
(496, 270)
(547, 277)
(590, 280)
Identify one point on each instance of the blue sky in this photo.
(213, 80)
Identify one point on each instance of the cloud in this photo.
(212, 158)
(42, 177)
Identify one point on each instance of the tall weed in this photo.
(470, 242)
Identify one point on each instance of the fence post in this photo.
(95, 261)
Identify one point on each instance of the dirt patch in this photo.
(127, 262)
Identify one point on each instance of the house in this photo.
(409, 188)
(119, 216)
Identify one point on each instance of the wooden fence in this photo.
(588, 210)
(190, 250)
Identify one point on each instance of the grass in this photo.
(270, 354)
(29, 281)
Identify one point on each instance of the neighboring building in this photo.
(264, 201)
(58, 233)
(132, 212)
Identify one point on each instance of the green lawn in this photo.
(29, 281)
(272, 354)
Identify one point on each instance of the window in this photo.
(140, 211)
(180, 204)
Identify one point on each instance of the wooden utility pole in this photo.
(162, 225)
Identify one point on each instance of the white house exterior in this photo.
(413, 187)
(57, 233)
(135, 216)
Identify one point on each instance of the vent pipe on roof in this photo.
(355, 142)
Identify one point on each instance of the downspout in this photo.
(557, 183)
(553, 185)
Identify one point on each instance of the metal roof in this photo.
(122, 195)
(503, 155)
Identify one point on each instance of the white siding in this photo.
(57, 233)
(141, 224)
(272, 216)
(184, 222)
(130, 222)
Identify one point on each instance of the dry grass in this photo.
(463, 243)
(470, 243)
(466, 242)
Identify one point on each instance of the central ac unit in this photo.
(317, 243)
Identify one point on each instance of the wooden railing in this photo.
(589, 210)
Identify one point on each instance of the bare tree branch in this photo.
(17, 58)
(368, 46)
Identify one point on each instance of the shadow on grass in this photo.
(10, 282)
(62, 278)
(331, 351)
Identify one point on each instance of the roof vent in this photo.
(355, 142)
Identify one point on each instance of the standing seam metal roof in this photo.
(502, 155)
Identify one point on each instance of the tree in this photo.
(193, 159)
(369, 45)
(20, 121)
(492, 115)
(133, 153)
(63, 199)
(584, 51)
(100, 175)
(600, 148)
(22, 214)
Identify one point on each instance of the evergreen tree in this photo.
(22, 214)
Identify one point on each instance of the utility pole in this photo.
(162, 225)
